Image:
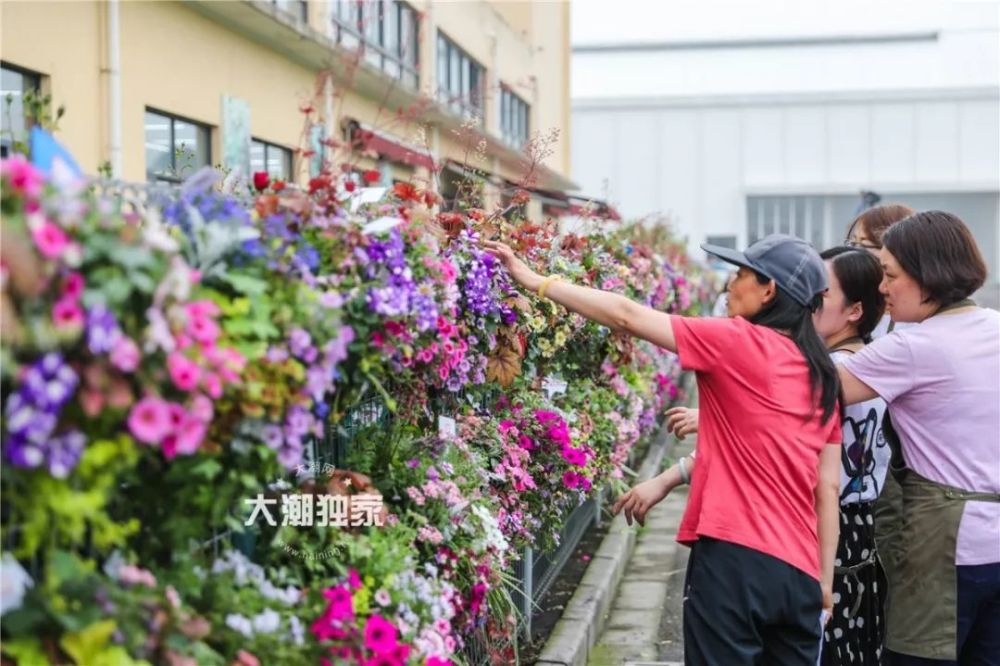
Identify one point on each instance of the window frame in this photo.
(174, 118)
(286, 154)
(462, 90)
(396, 55)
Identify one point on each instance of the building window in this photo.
(387, 32)
(273, 159)
(17, 84)
(514, 113)
(296, 8)
(722, 241)
(460, 79)
(175, 147)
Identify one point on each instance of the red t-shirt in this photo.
(759, 440)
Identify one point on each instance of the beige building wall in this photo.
(71, 60)
(180, 61)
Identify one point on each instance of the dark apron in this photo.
(922, 608)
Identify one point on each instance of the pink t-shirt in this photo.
(941, 380)
(759, 440)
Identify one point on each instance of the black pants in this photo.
(978, 621)
(745, 608)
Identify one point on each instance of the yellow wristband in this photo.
(545, 283)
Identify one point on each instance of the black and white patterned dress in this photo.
(854, 635)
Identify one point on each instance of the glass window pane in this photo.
(159, 152)
(257, 160)
(442, 65)
(190, 145)
(15, 84)
(408, 36)
(476, 93)
(464, 92)
(390, 27)
(525, 126)
(372, 21)
(454, 77)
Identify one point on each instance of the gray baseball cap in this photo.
(792, 263)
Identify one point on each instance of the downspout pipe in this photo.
(114, 88)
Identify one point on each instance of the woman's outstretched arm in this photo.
(612, 310)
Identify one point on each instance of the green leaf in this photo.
(86, 645)
(26, 651)
(245, 284)
(207, 469)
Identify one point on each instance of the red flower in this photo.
(405, 192)
(349, 186)
(261, 180)
(278, 185)
(371, 176)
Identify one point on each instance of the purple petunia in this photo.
(102, 330)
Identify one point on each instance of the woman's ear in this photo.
(770, 292)
(855, 312)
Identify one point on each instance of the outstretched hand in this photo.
(519, 271)
(638, 501)
(682, 421)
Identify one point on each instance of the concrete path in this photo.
(643, 625)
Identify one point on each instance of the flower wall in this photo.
(174, 361)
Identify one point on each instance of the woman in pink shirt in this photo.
(941, 381)
(762, 513)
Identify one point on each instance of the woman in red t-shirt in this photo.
(762, 513)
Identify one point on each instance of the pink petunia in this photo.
(439, 661)
(190, 436)
(125, 354)
(177, 415)
(72, 287)
(202, 309)
(22, 175)
(203, 329)
(184, 372)
(202, 408)
(149, 420)
(353, 579)
(51, 240)
(571, 479)
(213, 385)
(381, 636)
(67, 313)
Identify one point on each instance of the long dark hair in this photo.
(859, 274)
(784, 313)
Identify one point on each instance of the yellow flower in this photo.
(560, 339)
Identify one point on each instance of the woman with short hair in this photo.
(940, 381)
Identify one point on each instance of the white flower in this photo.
(298, 630)
(14, 582)
(267, 622)
(382, 597)
(240, 624)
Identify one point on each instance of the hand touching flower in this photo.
(519, 271)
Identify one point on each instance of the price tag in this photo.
(554, 386)
(380, 225)
(447, 428)
(366, 195)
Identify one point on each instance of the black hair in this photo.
(859, 274)
(938, 251)
(786, 314)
